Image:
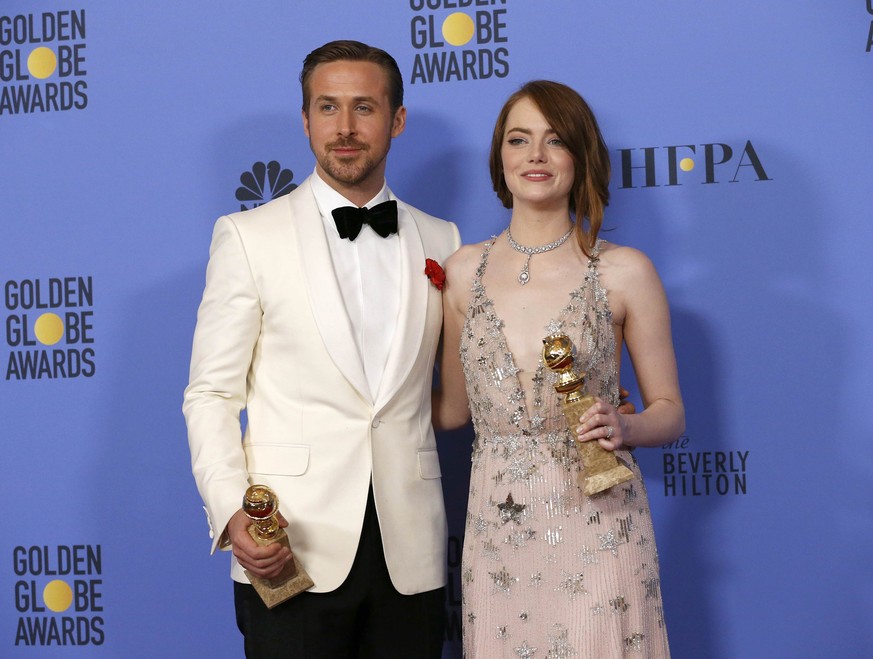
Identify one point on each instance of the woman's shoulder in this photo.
(623, 256)
(462, 265)
(461, 268)
(627, 271)
(467, 258)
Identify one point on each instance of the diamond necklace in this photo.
(524, 275)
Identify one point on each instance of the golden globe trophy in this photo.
(600, 468)
(260, 504)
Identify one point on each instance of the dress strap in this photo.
(595, 254)
(483, 261)
(478, 299)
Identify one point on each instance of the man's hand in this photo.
(265, 562)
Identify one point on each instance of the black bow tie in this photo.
(381, 217)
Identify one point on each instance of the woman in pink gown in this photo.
(547, 570)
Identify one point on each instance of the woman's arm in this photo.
(645, 328)
(450, 406)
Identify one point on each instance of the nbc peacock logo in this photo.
(264, 183)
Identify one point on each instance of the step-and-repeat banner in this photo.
(741, 142)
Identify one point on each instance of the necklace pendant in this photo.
(524, 275)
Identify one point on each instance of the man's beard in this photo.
(349, 173)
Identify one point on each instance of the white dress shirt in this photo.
(368, 271)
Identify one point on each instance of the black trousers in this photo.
(365, 618)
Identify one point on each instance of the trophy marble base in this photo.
(601, 468)
(600, 472)
(292, 581)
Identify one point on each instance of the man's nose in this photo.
(346, 123)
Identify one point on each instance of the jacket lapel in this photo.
(322, 288)
(414, 291)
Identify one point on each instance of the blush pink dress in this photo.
(547, 571)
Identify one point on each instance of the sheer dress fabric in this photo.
(548, 572)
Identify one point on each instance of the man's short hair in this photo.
(355, 51)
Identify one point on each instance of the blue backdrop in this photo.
(740, 136)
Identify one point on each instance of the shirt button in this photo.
(376, 422)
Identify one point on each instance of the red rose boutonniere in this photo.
(435, 273)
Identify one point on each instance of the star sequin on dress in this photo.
(559, 644)
(525, 651)
(511, 511)
(503, 581)
(572, 585)
(609, 542)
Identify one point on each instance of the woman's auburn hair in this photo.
(571, 118)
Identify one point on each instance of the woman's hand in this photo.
(602, 422)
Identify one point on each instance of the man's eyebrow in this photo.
(355, 99)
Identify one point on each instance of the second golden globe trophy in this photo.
(601, 468)
(261, 505)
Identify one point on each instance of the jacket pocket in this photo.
(429, 464)
(277, 459)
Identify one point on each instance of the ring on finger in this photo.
(609, 432)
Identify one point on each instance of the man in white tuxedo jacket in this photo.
(327, 341)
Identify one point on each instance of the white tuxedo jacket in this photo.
(273, 338)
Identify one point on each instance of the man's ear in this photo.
(399, 121)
